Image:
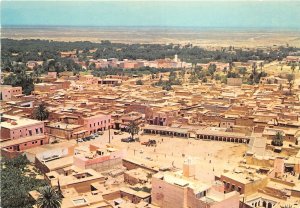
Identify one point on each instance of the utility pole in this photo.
(109, 134)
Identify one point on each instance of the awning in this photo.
(80, 132)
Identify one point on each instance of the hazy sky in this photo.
(239, 14)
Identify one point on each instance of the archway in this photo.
(264, 204)
(269, 205)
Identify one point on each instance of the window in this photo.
(41, 130)
(98, 123)
(94, 124)
(90, 125)
(25, 144)
(36, 131)
(101, 122)
(239, 189)
(32, 142)
(30, 133)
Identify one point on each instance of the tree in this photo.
(16, 181)
(139, 82)
(152, 76)
(242, 70)
(20, 78)
(133, 128)
(212, 69)
(290, 78)
(278, 139)
(254, 67)
(49, 198)
(149, 176)
(167, 87)
(41, 113)
(293, 67)
(193, 78)
(261, 65)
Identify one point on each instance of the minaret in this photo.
(175, 58)
(189, 168)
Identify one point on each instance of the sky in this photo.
(212, 14)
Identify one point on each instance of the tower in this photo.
(189, 168)
(176, 58)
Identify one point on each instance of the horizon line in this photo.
(142, 26)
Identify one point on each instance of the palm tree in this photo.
(41, 113)
(133, 128)
(254, 67)
(49, 198)
(149, 176)
(290, 78)
(293, 67)
(261, 65)
(278, 139)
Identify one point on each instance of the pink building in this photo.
(96, 123)
(181, 190)
(88, 79)
(126, 64)
(14, 127)
(19, 134)
(52, 74)
(8, 92)
(98, 158)
(12, 148)
(44, 88)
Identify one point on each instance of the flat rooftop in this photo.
(18, 122)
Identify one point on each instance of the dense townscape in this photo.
(146, 125)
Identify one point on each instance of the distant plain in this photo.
(205, 37)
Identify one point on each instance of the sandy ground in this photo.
(204, 38)
(210, 157)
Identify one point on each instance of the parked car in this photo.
(150, 142)
(149, 158)
(95, 135)
(100, 132)
(89, 137)
(129, 139)
(79, 140)
(118, 133)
